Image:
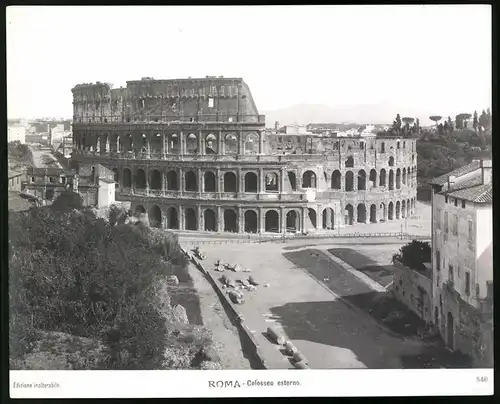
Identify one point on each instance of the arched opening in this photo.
(116, 175)
(328, 219)
(127, 178)
(309, 179)
(408, 208)
(293, 180)
(251, 182)
(349, 214)
(383, 209)
(391, 180)
(382, 147)
(391, 211)
(230, 182)
(398, 209)
(140, 179)
(128, 143)
(409, 177)
(230, 221)
(336, 180)
(155, 180)
(403, 179)
(413, 159)
(391, 161)
(291, 221)
(373, 214)
(272, 221)
(398, 178)
(191, 222)
(382, 178)
(191, 144)
(361, 180)
(139, 210)
(155, 217)
(231, 144)
(191, 182)
(209, 182)
(311, 214)
(172, 219)
(373, 178)
(403, 209)
(250, 221)
(156, 144)
(272, 182)
(361, 213)
(173, 144)
(252, 144)
(210, 144)
(172, 184)
(436, 316)
(349, 181)
(450, 331)
(349, 162)
(210, 222)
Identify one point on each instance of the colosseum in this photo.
(194, 154)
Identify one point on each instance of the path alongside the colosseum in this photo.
(226, 337)
(330, 332)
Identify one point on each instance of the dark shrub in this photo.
(414, 254)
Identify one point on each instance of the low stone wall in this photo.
(414, 290)
(249, 344)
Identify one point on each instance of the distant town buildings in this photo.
(462, 252)
(17, 132)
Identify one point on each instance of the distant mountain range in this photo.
(303, 114)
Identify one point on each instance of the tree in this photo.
(68, 200)
(450, 124)
(407, 121)
(475, 122)
(459, 121)
(440, 129)
(436, 119)
(446, 128)
(396, 125)
(488, 114)
(465, 118)
(483, 121)
(414, 255)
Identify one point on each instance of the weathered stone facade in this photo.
(194, 154)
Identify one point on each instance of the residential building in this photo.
(15, 179)
(462, 257)
(17, 132)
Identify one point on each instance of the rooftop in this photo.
(481, 193)
(17, 203)
(14, 173)
(458, 172)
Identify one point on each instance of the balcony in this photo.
(178, 119)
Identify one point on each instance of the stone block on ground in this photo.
(172, 280)
(252, 281)
(180, 314)
(275, 336)
(299, 357)
(290, 348)
(236, 297)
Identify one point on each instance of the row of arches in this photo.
(172, 143)
(154, 180)
(272, 223)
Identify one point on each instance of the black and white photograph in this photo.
(281, 197)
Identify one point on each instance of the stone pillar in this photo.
(200, 181)
(182, 143)
(354, 180)
(180, 217)
(201, 225)
(262, 221)
(221, 147)
(241, 143)
(241, 219)
(261, 142)
(303, 220)
(180, 177)
(355, 214)
(282, 182)
(163, 181)
(200, 143)
(262, 181)
(218, 187)
(282, 220)
(163, 152)
(220, 226)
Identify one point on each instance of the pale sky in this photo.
(434, 57)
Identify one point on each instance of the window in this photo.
(446, 199)
(63, 180)
(397, 145)
(438, 279)
(463, 204)
(446, 222)
(404, 144)
(438, 260)
(361, 145)
(32, 179)
(438, 219)
(471, 230)
(210, 103)
(467, 283)
(451, 275)
(455, 225)
(51, 180)
(456, 202)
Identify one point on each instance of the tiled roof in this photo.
(14, 173)
(479, 193)
(18, 204)
(458, 172)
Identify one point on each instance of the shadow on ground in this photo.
(333, 323)
(379, 273)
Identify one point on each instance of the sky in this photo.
(425, 58)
